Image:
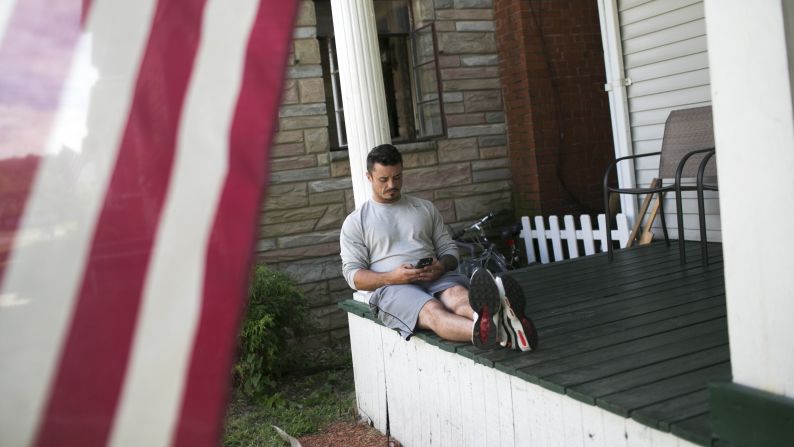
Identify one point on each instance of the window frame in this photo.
(416, 93)
(420, 133)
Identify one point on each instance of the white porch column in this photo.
(363, 96)
(754, 131)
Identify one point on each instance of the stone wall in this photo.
(466, 173)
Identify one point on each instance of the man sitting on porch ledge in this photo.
(381, 244)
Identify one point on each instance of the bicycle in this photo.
(484, 253)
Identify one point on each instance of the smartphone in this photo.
(424, 262)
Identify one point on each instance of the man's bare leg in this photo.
(447, 325)
(456, 299)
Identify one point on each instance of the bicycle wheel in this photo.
(495, 266)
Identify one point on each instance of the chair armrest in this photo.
(681, 164)
(648, 190)
(702, 168)
(618, 160)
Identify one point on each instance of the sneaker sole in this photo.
(484, 299)
(519, 334)
(519, 326)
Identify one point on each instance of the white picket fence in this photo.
(571, 235)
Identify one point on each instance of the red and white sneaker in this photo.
(520, 332)
(485, 300)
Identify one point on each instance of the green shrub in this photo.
(276, 311)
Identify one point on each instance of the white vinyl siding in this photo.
(665, 57)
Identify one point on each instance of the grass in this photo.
(302, 404)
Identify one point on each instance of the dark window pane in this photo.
(325, 24)
(391, 16)
(397, 85)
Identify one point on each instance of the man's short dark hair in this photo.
(385, 154)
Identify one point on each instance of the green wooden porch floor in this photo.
(640, 336)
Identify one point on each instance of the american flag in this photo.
(134, 143)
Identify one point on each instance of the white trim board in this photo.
(433, 396)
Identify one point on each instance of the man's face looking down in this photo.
(386, 182)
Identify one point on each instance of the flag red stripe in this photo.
(93, 362)
(86, 10)
(233, 233)
(29, 96)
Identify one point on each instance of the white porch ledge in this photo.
(426, 396)
(613, 369)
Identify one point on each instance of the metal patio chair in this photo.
(688, 139)
(706, 180)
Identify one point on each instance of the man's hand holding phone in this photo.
(426, 269)
(424, 262)
(431, 269)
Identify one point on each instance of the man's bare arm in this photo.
(449, 262)
(404, 274)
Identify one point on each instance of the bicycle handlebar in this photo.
(478, 224)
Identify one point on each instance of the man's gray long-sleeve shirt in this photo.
(382, 236)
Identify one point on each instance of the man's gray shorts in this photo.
(398, 306)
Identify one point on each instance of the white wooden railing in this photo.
(587, 234)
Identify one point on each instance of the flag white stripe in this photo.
(69, 127)
(32, 331)
(6, 9)
(171, 304)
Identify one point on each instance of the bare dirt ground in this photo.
(348, 434)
